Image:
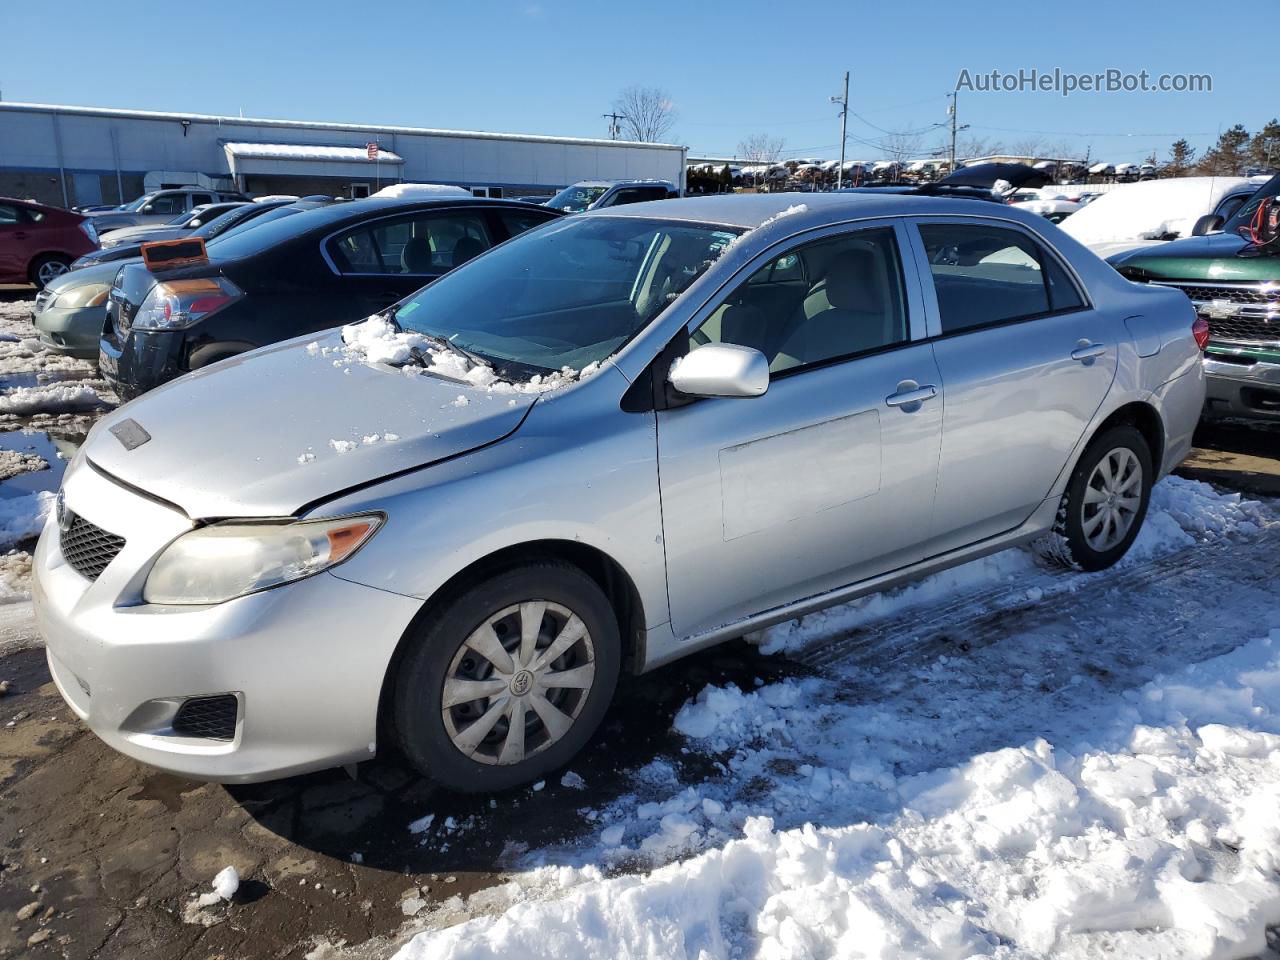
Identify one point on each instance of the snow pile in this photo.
(1163, 839)
(1149, 210)
(377, 340)
(1182, 513)
(51, 399)
(402, 191)
(22, 518)
(225, 885)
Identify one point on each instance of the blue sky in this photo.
(554, 66)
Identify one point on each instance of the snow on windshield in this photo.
(378, 340)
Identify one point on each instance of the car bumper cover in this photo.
(304, 663)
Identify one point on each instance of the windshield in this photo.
(576, 199)
(180, 220)
(135, 205)
(237, 225)
(1239, 224)
(566, 295)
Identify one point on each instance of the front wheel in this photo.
(509, 680)
(1106, 499)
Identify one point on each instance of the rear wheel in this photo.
(46, 269)
(509, 680)
(1106, 500)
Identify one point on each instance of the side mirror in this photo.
(721, 370)
(195, 223)
(149, 208)
(1209, 223)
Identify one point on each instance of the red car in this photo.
(38, 243)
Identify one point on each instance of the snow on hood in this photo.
(1149, 210)
(268, 432)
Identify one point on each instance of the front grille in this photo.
(211, 718)
(1233, 293)
(1236, 312)
(87, 547)
(1245, 329)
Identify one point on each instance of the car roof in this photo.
(327, 214)
(751, 210)
(618, 183)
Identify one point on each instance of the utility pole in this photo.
(844, 126)
(613, 119)
(954, 127)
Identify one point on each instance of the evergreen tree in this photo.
(1264, 148)
(1229, 156)
(1181, 156)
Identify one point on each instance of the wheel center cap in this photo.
(521, 683)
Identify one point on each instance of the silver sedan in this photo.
(605, 444)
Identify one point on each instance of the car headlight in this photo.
(228, 560)
(88, 295)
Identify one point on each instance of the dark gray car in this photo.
(70, 311)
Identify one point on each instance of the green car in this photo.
(1235, 285)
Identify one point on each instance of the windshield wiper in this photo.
(415, 354)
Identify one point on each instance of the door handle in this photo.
(19, 235)
(911, 394)
(1086, 350)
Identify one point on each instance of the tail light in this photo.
(177, 304)
(87, 228)
(1200, 330)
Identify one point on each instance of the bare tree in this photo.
(647, 113)
(1032, 147)
(968, 147)
(761, 148)
(901, 147)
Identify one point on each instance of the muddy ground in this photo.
(101, 857)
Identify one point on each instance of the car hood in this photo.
(270, 432)
(1210, 258)
(92, 273)
(102, 222)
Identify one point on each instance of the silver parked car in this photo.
(602, 445)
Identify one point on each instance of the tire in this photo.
(435, 739)
(44, 270)
(1086, 538)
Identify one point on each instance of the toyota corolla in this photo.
(452, 529)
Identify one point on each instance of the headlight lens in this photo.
(228, 560)
(88, 295)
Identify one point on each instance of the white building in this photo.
(76, 156)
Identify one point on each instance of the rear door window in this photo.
(9, 216)
(424, 244)
(985, 275)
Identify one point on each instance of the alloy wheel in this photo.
(49, 271)
(518, 682)
(1112, 498)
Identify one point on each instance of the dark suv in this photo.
(1235, 286)
(309, 272)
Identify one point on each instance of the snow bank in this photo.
(55, 398)
(23, 517)
(1149, 210)
(1161, 841)
(1182, 512)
